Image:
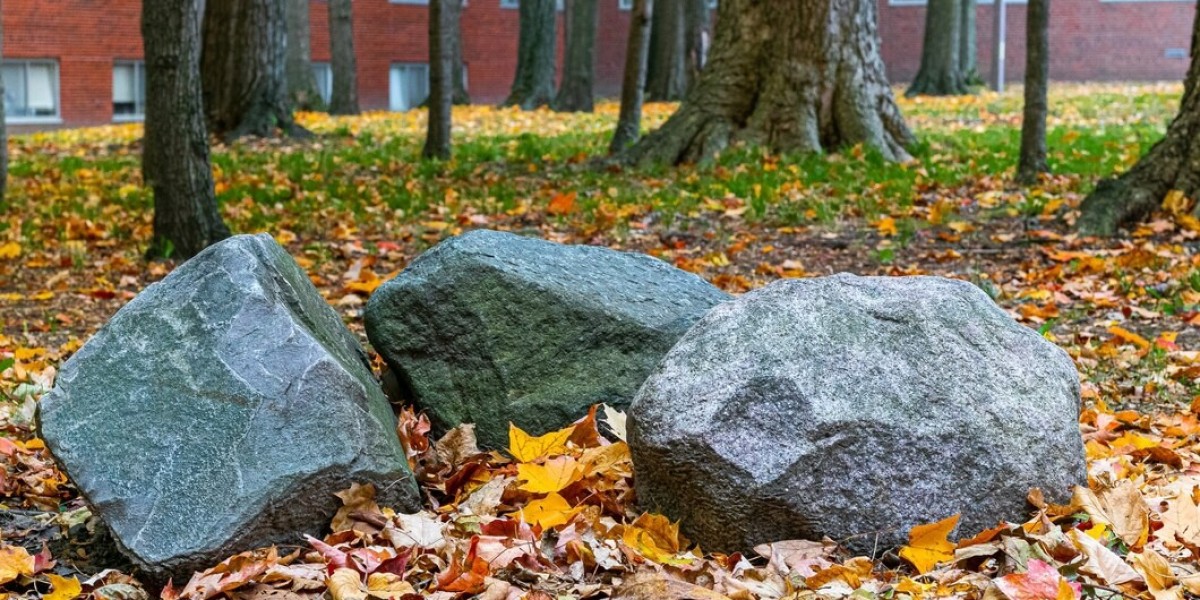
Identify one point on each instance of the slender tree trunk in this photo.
(242, 69)
(441, 80)
(1037, 82)
(533, 84)
(1173, 164)
(3, 136)
(175, 162)
(696, 23)
(968, 43)
(633, 86)
(454, 22)
(790, 76)
(302, 83)
(940, 73)
(666, 72)
(579, 71)
(344, 98)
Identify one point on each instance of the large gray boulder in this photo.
(220, 410)
(854, 408)
(491, 327)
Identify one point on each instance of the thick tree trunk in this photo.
(789, 76)
(344, 97)
(441, 80)
(533, 84)
(1173, 164)
(695, 42)
(576, 92)
(243, 69)
(633, 86)
(454, 22)
(3, 136)
(302, 83)
(940, 73)
(666, 71)
(1037, 80)
(175, 162)
(968, 43)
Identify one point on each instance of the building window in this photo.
(30, 90)
(625, 4)
(561, 5)
(129, 90)
(323, 73)
(409, 86)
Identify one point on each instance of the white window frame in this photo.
(56, 118)
(323, 71)
(990, 2)
(625, 5)
(560, 5)
(139, 66)
(392, 69)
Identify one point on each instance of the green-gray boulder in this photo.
(491, 327)
(220, 410)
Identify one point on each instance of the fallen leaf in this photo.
(928, 544)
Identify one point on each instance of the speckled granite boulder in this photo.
(491, 327)
(854, 408)
(220, 410)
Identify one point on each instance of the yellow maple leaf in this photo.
(1128, 336)
(63, 588)
(15, 562)
(10, 250)
(886, 226)
(928, 546)
(656, 538)
(551, 511)
(345, 584)
(1177, 203)
(552, 476)
(526, 448)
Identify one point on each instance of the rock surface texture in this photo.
(854, 408)
(220, 410)
(491, 327)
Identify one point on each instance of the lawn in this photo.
(356, 203)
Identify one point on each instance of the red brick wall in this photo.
(1090, 40)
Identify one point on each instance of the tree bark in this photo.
(1173, 164)
(3, 136)
(533, 84)
(576, 94)
(1037, 82)
(695, 43)
(175, 154)
(789, 76)
(243, 69)
(454, 22)
(344, 97)
(666, 72)
(302, 83)
(633, 85)
(441, 80)
(940, 73)
(968, 43)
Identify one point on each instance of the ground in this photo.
(356, 204)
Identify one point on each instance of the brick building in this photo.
(78, 62)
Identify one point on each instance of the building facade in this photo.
(79, 62)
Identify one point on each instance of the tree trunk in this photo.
(242, 69)
(175, 162)
(3, 136)
(789, 76)
(695, 43)
(633, 85)
(344, 97)
(454, 22)
(1037, 80)
(666, 72)
(533, 84)
(441, 80)
(1173, 164)
(302, 83)
(576, 92)
(968, 43)
(940, 73)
